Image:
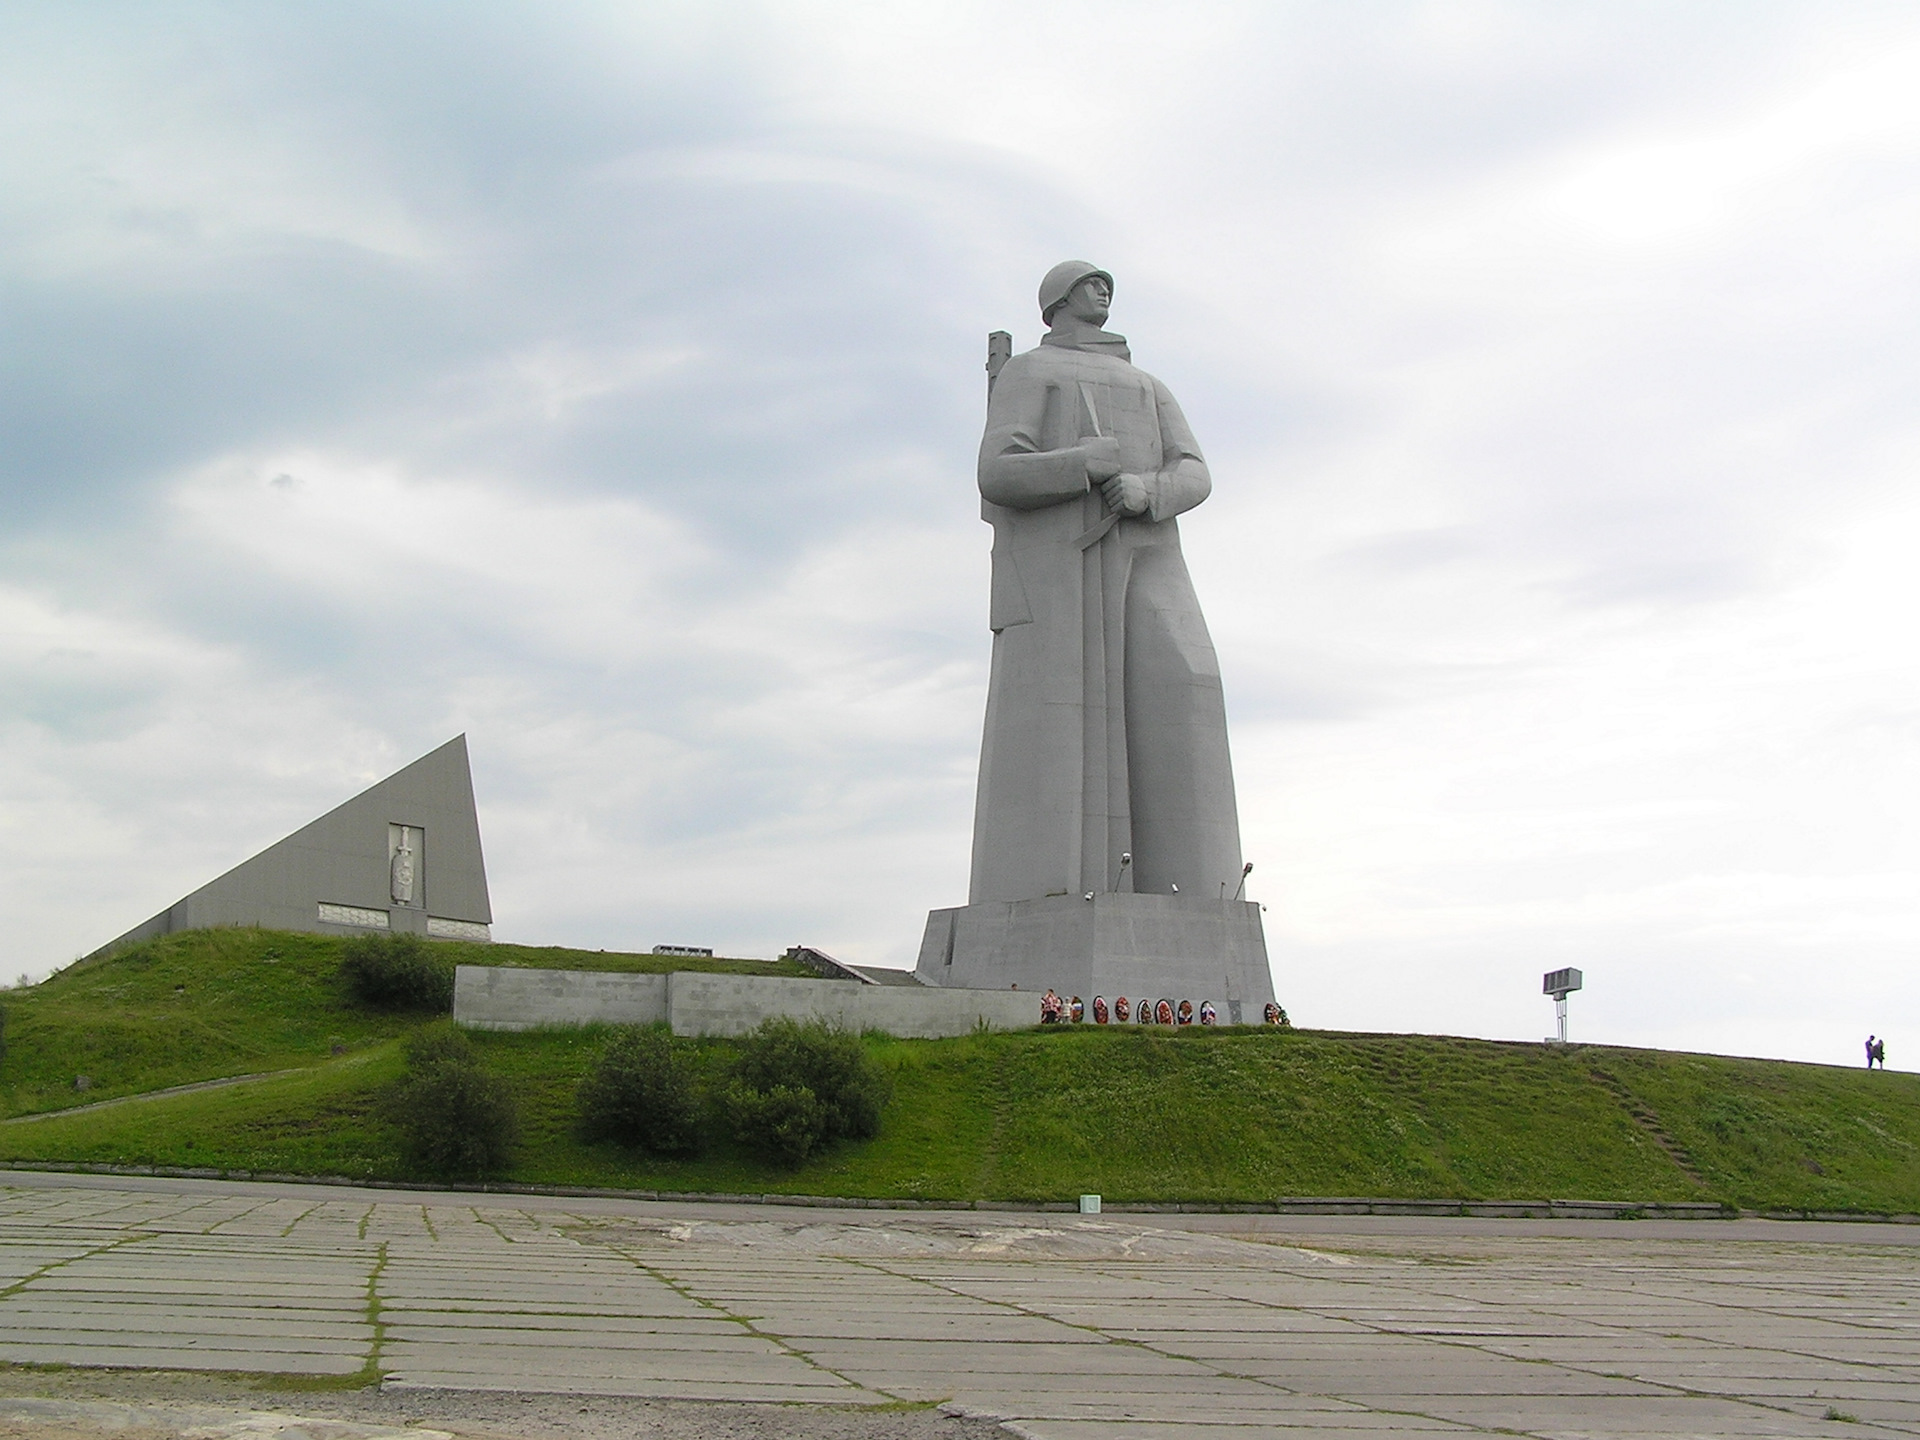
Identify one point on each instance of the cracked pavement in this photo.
(1123, 1327)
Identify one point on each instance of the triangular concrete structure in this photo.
(403, 855)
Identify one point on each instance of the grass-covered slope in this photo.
(1220, 1115)
(233, 1001)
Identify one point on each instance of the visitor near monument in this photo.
(1106, 838)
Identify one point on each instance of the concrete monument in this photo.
(1106, 843)
(403, 855)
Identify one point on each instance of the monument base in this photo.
(1155, 946)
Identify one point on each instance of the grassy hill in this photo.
(1196, 1115)
(233, 1001)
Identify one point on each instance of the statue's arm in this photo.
(1017, 466)
(1182, 481)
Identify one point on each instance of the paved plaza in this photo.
(1205, 1327)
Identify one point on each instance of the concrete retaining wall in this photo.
(734, 1004)
(489, 997)
(500, 997)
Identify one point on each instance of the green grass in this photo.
(319, 1121)
(232, 1001)
(1802, 1137)
(1198, 1115)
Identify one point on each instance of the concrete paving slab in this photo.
(189, 1355)
(531, 1322)
(962, 1384)
(1278, 1428)
(1092, 1361)
(590, 1361)
(264, 1348)
(743, 1392)
(1370, 1384)
(128, 1321)
(1205, 1421)
(1682, 1414)
(1225, 1405)
(1163, 1326)
(536, 1341)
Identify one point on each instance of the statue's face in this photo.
(1090, 300)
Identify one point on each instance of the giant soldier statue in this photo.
(1106, 842)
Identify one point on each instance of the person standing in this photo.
(1879, 1053)
(1870, 1043)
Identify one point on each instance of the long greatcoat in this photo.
(1106, 730)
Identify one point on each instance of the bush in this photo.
(797, 1087)
(785, 1123)
(643, 1091)
(439, 1045)
(397, 972)
(455, 1118)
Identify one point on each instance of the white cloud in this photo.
(1731, 172)
(562, 576)
(606, 385)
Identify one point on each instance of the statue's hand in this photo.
(1126, 494)
(1103, 457)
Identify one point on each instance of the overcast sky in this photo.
(604, 381)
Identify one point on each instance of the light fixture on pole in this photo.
(1560, 984)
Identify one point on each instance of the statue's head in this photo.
(1058, 288)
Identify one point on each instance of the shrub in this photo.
(397, 972)
(785, 1122)
(798, 1086)
(642, 1091)
(439, 1045)
(455, 1118)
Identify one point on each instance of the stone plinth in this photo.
(1159, 946)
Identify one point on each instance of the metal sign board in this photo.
(1560, 982)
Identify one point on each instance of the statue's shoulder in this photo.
(1025, 373)
(1057, 362)
(1041, 361)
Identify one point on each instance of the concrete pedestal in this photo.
(1156, 946)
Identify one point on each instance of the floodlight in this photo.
(1560, 984)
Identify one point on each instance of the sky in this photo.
(604, 381)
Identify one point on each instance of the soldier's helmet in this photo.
(1060, 281)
